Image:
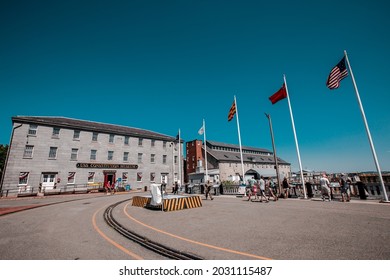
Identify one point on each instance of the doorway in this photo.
(109, 176)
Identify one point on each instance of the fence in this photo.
(24, 191)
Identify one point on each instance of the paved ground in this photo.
(225, 228)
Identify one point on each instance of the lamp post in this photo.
(274, 149)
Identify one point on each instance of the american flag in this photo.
(232, 111)
(338, 73)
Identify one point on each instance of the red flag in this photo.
(279, 95)
(232, 112)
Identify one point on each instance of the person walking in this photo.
(208, 191)
(270, 188)
(262, 190)
(325, 188)
(252, 189)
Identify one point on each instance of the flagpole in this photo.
(239, 141)
(179, 160)
(367, 129)
(295, 137)
(275, 156)
(205, 150)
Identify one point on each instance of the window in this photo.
(91, 177)
(152, 177)
(125, 176)
(76, 135)
(111, 140)
(73, 156)
(71, 176)
(28, 151)
(93, 155)
(53, 153)
(56, 132)
(140, 140)
(139, 176)
(23, 178)
(94, 136)
(110, 155)
(32, 129)
(164, 159)
(126, 156)
(153, 143)
(175, 159)
(139, 157)
(152, 158)
(164, 144)
(127, 138)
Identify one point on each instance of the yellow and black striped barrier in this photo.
(140, 201)
(171, 204)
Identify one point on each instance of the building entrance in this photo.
(109, 177)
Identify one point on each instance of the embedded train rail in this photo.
(143, 241)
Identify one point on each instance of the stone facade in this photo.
(49, 153)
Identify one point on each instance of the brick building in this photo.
(224, 161)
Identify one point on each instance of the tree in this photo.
(3, 157)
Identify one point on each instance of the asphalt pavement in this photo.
(227, 227)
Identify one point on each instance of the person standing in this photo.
(175, 188)
(107, 187)
(344, 187)
(325, 188)
(286, 187)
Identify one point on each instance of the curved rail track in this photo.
(141, 240)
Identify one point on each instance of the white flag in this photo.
(201, 130)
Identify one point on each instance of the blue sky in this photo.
(165, 65)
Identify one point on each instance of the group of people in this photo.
(326, 192)
(262, 189)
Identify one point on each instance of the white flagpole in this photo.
(179, 160)
(239, 141)
(295, 137)
(205, 151)
(367, 129)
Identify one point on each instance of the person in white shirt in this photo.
(325, 187)
(262, 189)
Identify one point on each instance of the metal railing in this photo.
(24, 191)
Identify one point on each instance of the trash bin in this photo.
(309, 190)
(362, 190)
(128, 188)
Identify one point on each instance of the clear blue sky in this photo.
(165, 65)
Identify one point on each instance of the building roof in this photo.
(63, 122)
(225, 145)
(227, 156)
(229, 153)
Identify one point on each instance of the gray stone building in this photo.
(53, 154)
